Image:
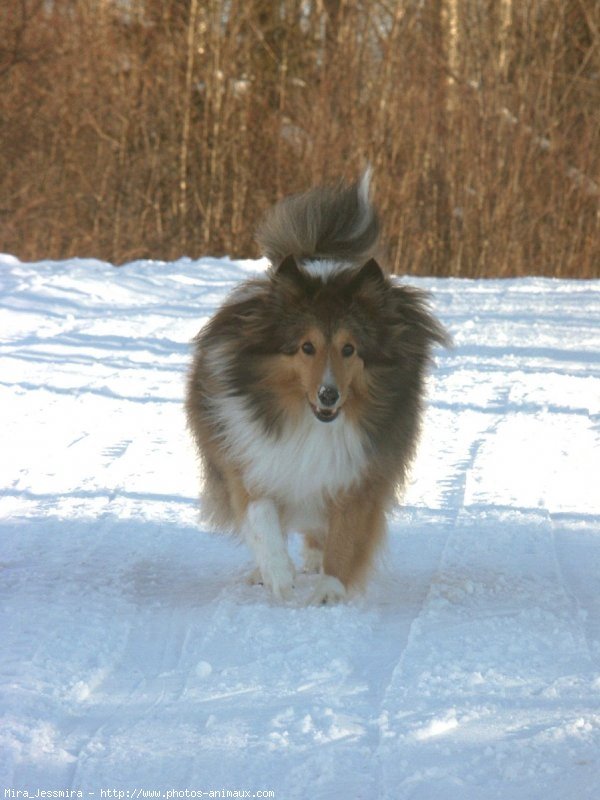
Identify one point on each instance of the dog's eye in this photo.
(308, 348)
(348, 350)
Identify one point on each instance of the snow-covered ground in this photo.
(133, 657)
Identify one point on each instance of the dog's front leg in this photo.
(356, 527)
(262, 531)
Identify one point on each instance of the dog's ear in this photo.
(369, 274)
(289, 270)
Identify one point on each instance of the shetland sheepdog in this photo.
(305, 393)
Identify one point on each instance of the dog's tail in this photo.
(329, 222)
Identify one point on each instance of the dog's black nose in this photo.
(328, 396)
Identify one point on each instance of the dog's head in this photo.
(327, 332)
(335, 338)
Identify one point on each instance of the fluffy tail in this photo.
(337, 223)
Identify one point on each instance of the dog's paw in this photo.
(328, 590)
(279, 578)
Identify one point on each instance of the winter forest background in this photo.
(160, 128)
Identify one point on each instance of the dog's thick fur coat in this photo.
(305, 393)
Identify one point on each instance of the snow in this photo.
(136, 658)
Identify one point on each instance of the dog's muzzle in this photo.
(328, 397)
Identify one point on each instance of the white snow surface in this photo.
(135, 657)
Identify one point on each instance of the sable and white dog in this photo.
(305, 393)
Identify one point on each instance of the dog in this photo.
(305, 393)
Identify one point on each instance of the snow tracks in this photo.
(135, 657)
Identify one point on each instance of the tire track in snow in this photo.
(479, 426)
(135, 709)
(141, 685)
(242, 683)
(497, 643)
(578, 562)
(451, 467)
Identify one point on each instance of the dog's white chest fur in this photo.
(306, 462)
